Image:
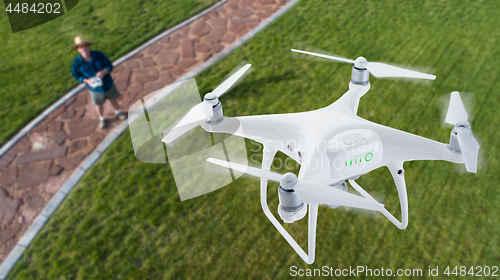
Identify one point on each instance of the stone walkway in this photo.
(36, 167)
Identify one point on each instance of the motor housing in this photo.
(291, 208)
(360, 74)
(213, 109)
(454, 146)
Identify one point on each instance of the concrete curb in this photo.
(80, 87)
(59, 197)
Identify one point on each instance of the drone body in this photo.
(333, 145)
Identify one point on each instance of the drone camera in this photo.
(291, 208)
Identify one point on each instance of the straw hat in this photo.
(79, 40)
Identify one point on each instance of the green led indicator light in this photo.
(368, 156)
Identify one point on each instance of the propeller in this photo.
(199, 113)
(457, 115)
(310, 192)
(378, 69)
(227, 84)
(456, 110)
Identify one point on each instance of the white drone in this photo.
(333, 145)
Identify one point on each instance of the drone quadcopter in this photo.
(333, 145)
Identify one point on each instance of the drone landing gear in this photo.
(313, 214)
(397, 172)
(341, 186)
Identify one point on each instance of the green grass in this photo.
(35, 68)
(125, 220)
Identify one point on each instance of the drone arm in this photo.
(267, 160)
(400, 146)
(271, 130)
(359, 92)
(350, 100)
(397, 172)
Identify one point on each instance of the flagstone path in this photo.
(36, 167)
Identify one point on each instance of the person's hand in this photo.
(87, 81)
(102, 73)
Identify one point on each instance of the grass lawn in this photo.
(35, 64)
(125, 219)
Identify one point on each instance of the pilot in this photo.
(90, 64)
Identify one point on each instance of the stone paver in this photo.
(8, 208)
(41, 162)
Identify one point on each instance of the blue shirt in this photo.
(84, 70)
